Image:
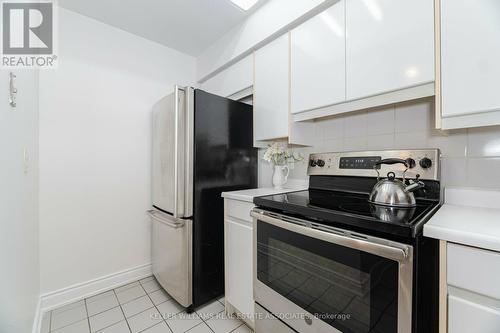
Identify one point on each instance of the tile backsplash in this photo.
(470, 157)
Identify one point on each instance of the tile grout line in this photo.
(154, 305)
(139, 314)
(237, 328)
(202, 323)
(87, 312)
(111, 308)
(123, 312)
(159, 323)
(228, 316)
(114, 307)
(128, 285)
(63, 311)
(50, 321)
(205, 322)
(84, 301)
(79, 320)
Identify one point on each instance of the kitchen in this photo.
(334, 87)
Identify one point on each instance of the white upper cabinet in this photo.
(317, 60)
(470, 65)
(389, 45)
(233, 79)
(271, 90)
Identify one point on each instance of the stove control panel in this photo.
(359, 163)
(422, 162)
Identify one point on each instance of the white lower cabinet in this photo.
(466, 316)
(474, 269)
(473, 291)
(238, 236)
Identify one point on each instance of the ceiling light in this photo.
(245, 4)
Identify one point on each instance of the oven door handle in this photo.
(399, 254)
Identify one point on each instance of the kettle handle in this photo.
(391, 161)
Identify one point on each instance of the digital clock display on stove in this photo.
(366, 162)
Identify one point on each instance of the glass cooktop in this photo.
(344, 208)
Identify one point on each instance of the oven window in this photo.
(353, 291)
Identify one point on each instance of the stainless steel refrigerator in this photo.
(202, 146)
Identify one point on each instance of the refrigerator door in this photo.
(225, 160)
(172, 167)
(172, 255)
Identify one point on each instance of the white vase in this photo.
(280, 176)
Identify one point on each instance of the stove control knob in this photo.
(320, 163)
(313, 163)
(411, 162)
(425, 163)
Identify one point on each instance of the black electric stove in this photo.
(328, 252)
(351, 210)
(338, 196)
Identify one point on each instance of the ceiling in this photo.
(189, 26)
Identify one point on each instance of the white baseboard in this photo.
(37, 320)
(82, 290)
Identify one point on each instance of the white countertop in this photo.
(469, 217)
(248, 195)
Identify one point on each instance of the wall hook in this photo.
(12, 90)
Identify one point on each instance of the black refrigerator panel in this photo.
(224, 160)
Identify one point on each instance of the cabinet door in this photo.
(481, 274)
(233, 79)
(465, 316)
(389, 45)
(470, 66)
(239, 282)
(271, 90)
(317, 60)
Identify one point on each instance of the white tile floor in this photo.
(141, 306)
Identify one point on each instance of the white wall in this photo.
(471, 157)
(95, 142)
(19, 272)
(272, 19)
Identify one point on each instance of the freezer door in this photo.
(172, 255)
(172, 167)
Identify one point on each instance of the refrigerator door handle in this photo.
(174, 223)
(189, 152)
(179, 148)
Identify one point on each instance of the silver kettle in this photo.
(391, 191)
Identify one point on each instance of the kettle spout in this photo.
(415, 186)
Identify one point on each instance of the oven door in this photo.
(321, 279)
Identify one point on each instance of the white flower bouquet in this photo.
(278, 155)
